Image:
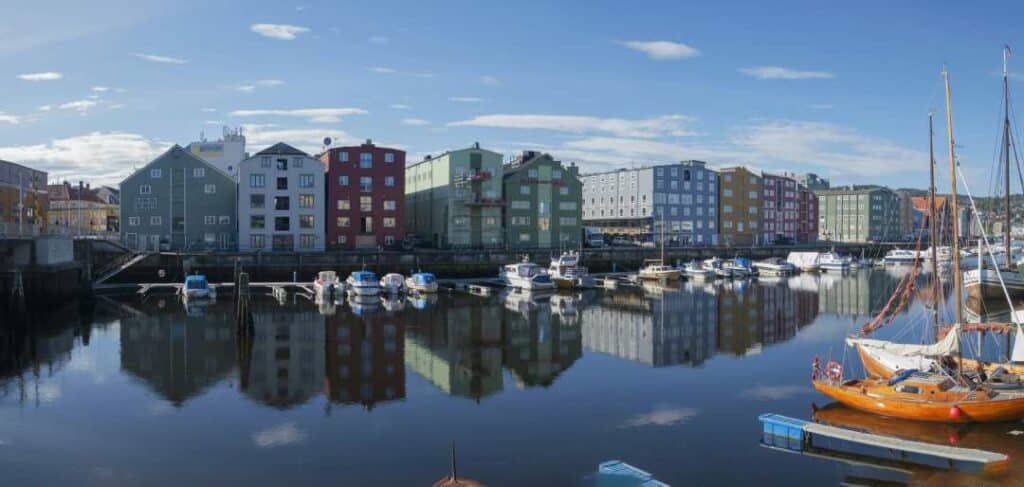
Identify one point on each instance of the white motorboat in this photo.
(805, 261)
(566, 272)
(326, 284)
(740, 267)
(717, 266)
(774, 266)
(363, 283)
(423, 282)
(525, 275)
(901, 256)
(696, 272)
(196, 287)
(831, 261)
(655, 269)
(392, 283)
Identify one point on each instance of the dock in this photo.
(800, 436)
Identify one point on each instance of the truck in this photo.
(593, 237)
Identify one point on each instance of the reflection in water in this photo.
(364, 359)
(38, 347)
(286, 366)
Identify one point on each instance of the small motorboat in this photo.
(326, 284)
(363, 283)
(696, 272)
(740, 267)
(655, 269)
(901, 256)
(717, 266)
(805, 261)
(422, 282)
(566, 272)
(392, 283)
(833, 262)
(774, 267)
(525, 275)
(362, 304)
(196, 287)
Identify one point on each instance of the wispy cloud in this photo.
(662, 415)
(490, 80)
(281, 435)
(778, 72)
(668, 125)
(46, 108)
(320, 115)
(282, 32)
(100, 89)
(80, 106)
(821, 106)
(775, 393)
(662, 50)
(251, 87)
(379, 40)
(381, 69)
(415, 122)
(44, 76)
(153, 58)
(465, 99)
(399, 106)
(105, 158)
(208, 110)
(309, 139)
(9, 119)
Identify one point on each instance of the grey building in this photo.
(635, 202)
(859, 214)
(543, 207)
(812, 181)
(178, 202)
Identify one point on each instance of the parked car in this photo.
(783, 240)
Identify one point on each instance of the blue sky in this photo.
(95, 89)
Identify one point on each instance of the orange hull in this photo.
(874, 399)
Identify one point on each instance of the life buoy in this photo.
(834, 370)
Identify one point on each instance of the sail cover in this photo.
(946, 346)
(1018, 347)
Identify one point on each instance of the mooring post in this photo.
(17, 297)
(243, 314)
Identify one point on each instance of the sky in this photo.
(95, 89)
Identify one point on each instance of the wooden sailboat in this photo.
(926, 396)
(656, 269)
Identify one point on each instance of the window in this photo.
(282, 183)
(567, 205)
(265, 161)
(145, 189)
(133, 221)
(524, 237)
(282, 223)
(520, 220)
(908, 389)
(365, 203)
(307, 221)
(389, 240)
(343, 222)
(564, 190)
(305, 180)
(752, 210)
(257, 241)
(210, 188)
(343, 156)
(140, 204)
(209, 220)
(567, 220)
(155, 220)
(342, 239)
(257, 201)
(390, 205)
(282, 203)
(306, 201)
(389, 181)
(156, 173)
(199, 172)
(532, 173)
(389, 157)
(307, 241)
(257, 181)
(524, 190)
(365, 160)
(342, 180)
(257, 222)
(556, 174)
(282, 164)
(389, 222)
(178, 224)
(210, 238)
(727, 192)
(490, 221)
(366, 224)
(344, 205)
(365, 184)
(520, 204)
(727, 209)
(224, 220)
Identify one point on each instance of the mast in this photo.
(1006, 157)
(957, 273)
(934, 229)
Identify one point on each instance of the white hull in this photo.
(364, 290)
(985, 283)
(517, 282)
(197, 294)
(658, 275)
(699, 274)
(420, 288)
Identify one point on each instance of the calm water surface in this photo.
(532, 390)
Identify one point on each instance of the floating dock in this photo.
(619, 473)
(796, 435)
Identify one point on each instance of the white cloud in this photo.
(9, 119)
(381, 69)
(775, 393)
(415, 121)
(777, 72)
(208, 110)
(282, 32)
(309, 139)
(490, 80)
(246, 88)
(399, 106)
(379, 40)
(45, 76)
(116, 106)
(270, 82)
(662, 415)
(423, 75)
(46, 108)
(78, 105)
(466, 99)
(214, 122)
(153, 58)
(320, 115)
(281, 435)
(104, 158)
(100, 89)
(668, 125)
(822, 106)
(662, 50)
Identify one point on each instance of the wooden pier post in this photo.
(243, 313)
(17, 297)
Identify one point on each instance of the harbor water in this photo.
(532, 389)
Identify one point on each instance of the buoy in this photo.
(954, 412)
(954, 439)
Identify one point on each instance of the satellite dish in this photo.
(327, 141)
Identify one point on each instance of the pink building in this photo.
(789, 211)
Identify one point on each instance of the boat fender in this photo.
(834, 370)
(954, 412)
(815, 368)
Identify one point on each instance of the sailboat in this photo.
(988, 281)
(656, 268)
(925, 395)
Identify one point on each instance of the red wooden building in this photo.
(365, 196)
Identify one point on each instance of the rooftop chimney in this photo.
(476, 145)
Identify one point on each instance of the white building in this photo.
(225, 154)
(280, 201)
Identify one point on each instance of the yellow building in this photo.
(81, 210)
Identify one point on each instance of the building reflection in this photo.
(857, 295)
(364, 358)
(286, 362)
(38, 346)
(178, 355)
(542, 339)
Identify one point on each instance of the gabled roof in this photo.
(186, 153)
(281, 149)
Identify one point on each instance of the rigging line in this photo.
(984, 237)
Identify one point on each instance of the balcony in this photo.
(476, 201)
(474, 177)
